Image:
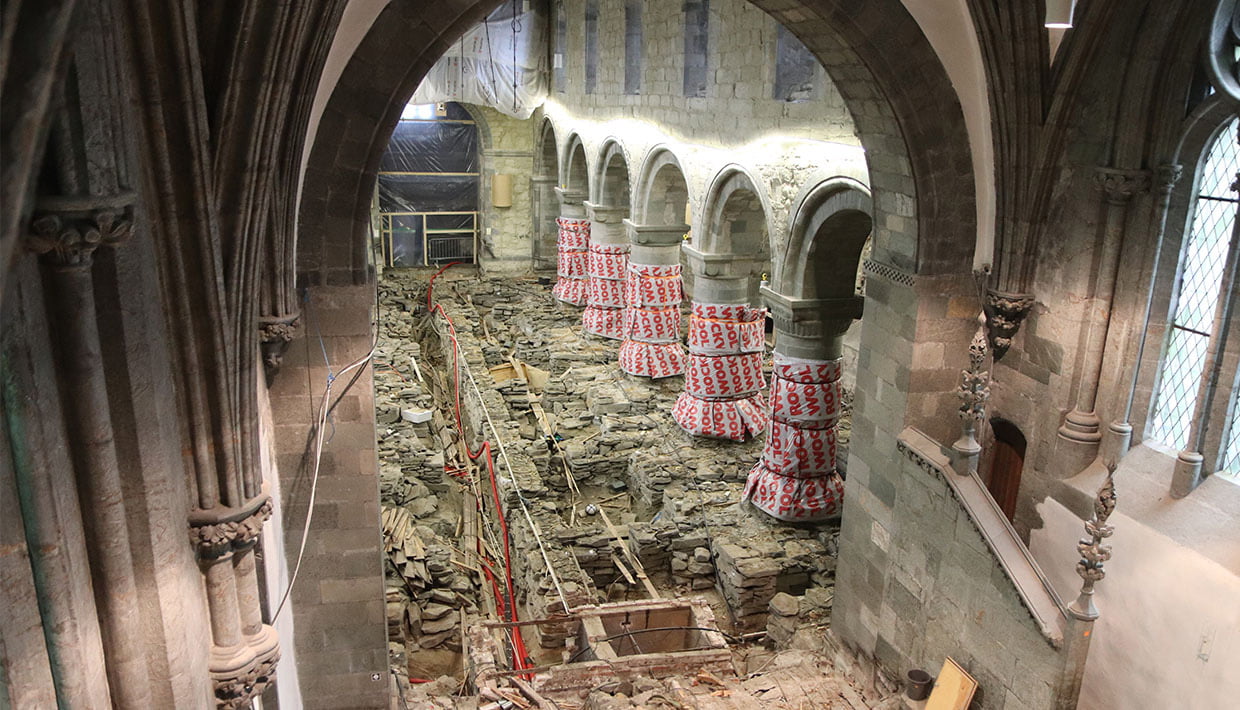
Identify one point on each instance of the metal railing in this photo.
(439, 244)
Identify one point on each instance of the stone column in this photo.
(543, 253)
(797, 478)
(652, 298)
(1081, 431)
(65, 232)
(1119, 431)
(572, 245)
(244, 650)
(607, 268)
(722, 397)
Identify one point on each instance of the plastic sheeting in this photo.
(431, 166)
(724, 375)
(796, 479)
(500, 63)
(652, 297)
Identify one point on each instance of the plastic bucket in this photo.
(919, 683)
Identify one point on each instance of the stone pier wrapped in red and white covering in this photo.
(651, 346)
(796, 479)
(604, 314)
(722, 398)
(571, 263)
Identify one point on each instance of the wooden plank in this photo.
(623, 570)
(628, 554)
(953, 689)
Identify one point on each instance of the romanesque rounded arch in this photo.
(909, 122)
(546, 157)
(662, 191)
(612, 175)
(575, 169)
(736, 215)
(826, 236)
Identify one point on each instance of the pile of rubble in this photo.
(603, 494)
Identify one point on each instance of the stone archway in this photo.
(546, 206)
(912, 120)
(609, 245)
(813, 302)
(651, 346)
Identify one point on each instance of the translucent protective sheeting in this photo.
(431, 165)
(500, 63)
(428, 193)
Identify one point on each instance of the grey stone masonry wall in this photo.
(925, 585)
(337, 603)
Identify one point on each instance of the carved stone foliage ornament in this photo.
(214, 538)
(238, 689)
(68, 237)
(975, 382)
(274, 335)
(1092, 550)
(1120, 185)
(1004, 314)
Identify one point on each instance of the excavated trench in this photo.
(559, 472)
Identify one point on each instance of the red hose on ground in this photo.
(518, 643)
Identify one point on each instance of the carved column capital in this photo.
(1166, 176)
(65, 231)
(215, 532)
(1004, 314)
(1120, 185)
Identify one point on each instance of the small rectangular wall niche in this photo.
(795, 68)
(697, 46)
(633, 47)
(591, 45)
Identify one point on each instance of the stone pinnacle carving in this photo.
(973, 392)
(1004, 314)
(1093, 553)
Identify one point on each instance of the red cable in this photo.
(518, 643)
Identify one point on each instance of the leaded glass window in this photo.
(1193, 345)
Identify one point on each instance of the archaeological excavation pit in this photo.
(542, 509)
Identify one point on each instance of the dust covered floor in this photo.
(572, 480)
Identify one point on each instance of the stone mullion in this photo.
(1081, 428)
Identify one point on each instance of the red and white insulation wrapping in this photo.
(651, 322)
(604, 314)
(797, 479)
(571, 266)
(722, 397)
